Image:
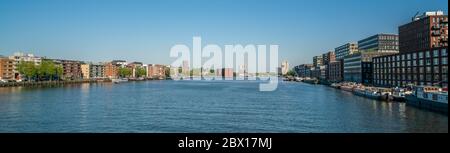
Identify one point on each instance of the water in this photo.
(201, 106)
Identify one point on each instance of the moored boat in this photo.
(431, 98)
(120, 80)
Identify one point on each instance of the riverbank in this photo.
(58, 83)
(48, 83)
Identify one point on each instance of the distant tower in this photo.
(284, 67)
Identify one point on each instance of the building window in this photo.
(427, 54)
(444, 52)
(420, 54)
(436, 53)
(436, 61)
(444, 60)
(428, 61)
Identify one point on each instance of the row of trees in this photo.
(127, 72)
(47, 70)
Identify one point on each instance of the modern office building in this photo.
(379, 43)
(303, 70)
(423, 58)
(7, 68)
(317, 61)
(119, 63)
(346, 49)
(428, 67)
(335, 69)
(429, 30)
(328, 57)
(358, 63)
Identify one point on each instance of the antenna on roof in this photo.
(415, 16)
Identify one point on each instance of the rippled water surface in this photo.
(202, 106)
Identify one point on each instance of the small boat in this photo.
(311, 81)
(372, 93)
(119, 80)
(336, 85)
(348, 87)
(398, 95)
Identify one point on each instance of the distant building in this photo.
(303, 70)
(185, 69)
(111, 70)
(85, 71)
(426, 31)
(228, 73)
(284, 67)
(335, 71)
(317, 61)
(133, 66)
(6, 68)
(328, 57)
(379, 43)
(71, 69)
(156, 71)
(345, 50)
(19, 56)
(423, 57)
(358, 63)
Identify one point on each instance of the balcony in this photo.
(435, 27)
(435, 33)
(445, 20)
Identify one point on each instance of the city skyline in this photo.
(144, 31)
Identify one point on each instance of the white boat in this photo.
(120, 80)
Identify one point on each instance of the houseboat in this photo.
(432, 98)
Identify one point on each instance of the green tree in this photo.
(140, 71)
(58, 71)
(124, 72)
(291, 73)
(27, 69)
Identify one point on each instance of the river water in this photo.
(205, 106)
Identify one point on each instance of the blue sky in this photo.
(142, 30)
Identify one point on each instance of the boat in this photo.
(120, 80)
(371, 92)
(311, 81)
(336, 85)
(428, 97)
(398, 95)
(348, 87)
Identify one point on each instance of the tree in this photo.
(291, 73)
(167, 71)
(124, 72)
(59, 71)
(140, 71)
(27, 69)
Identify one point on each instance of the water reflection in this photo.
(184, 106)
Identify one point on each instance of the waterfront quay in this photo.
(431, 98)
